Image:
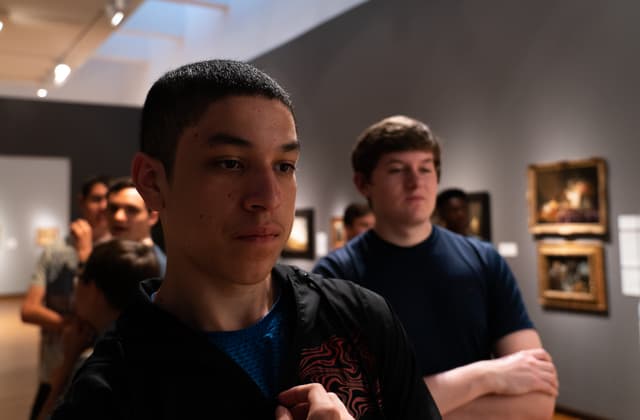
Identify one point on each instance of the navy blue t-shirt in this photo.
(455, 296)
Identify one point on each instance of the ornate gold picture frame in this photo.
(571, 276)
(568, 197)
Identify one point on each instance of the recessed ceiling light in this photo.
(61, 72)
(42, 93)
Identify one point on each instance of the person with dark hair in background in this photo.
(357, 218)
(130, 218)
(228, 333)
(48, 299)
(452, 207)
(106, 286)
(457, 298)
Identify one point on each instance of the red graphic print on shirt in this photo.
(337, 364)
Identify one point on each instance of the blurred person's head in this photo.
(93, 204)
(127, 214)
(453, 210)
(357, 218)
(110, 279)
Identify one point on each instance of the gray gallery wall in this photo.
(505, 84)
(97, 139)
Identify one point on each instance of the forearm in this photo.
(40, 315)
(460, 386)
(531, 406)
(59, 380)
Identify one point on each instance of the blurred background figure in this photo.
(452, 207)
(357, 218)
(48, 300)
(106, 286)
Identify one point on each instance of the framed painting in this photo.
(480, 215)
(338, 236)
(301, 242)
(568, 198)
(571, 276)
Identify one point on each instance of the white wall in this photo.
(34, 193)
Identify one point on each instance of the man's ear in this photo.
(150, 180)
(361, 183)
(153, 217)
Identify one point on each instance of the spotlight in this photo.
(61, 72)
(115, 11)
(42, 93)
(117, 18)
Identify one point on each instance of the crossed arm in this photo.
(520, 383)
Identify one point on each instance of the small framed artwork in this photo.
(301, 243)
(46, 235)
(480, 215)
(338, 236)
(568, 198)
(571, 276)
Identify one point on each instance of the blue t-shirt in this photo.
(258, 349)
(455, 296)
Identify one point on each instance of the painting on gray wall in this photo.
(480, 215)
(571, 276)
(301, 243)
(568, 197)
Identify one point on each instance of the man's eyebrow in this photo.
(425, 160)
(222, 139)
(292, 146)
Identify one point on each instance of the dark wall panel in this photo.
(97, 139)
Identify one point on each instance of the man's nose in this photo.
(263, 191)
(120, 215)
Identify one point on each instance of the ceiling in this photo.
(117, 64)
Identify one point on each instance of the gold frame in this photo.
(593, 299)
(560, 174)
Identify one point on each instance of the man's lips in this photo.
(259, 234)
(414, 198)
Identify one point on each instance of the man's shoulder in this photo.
(466, 245)
(345, 262)
(315, 290)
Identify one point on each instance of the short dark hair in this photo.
(117, 267)
(445, 195)
(393, 134)
(179, 98)
(120, 184)
(354, 211)
(89, 183)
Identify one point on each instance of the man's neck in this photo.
(147, 241)
(215, 305)
(403, 235)
(98, 237)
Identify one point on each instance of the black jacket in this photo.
(344, 336)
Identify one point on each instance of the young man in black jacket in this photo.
(228, 333)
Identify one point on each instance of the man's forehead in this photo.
(406, 155)
(128, 195)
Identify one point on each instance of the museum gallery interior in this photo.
(535, 104)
